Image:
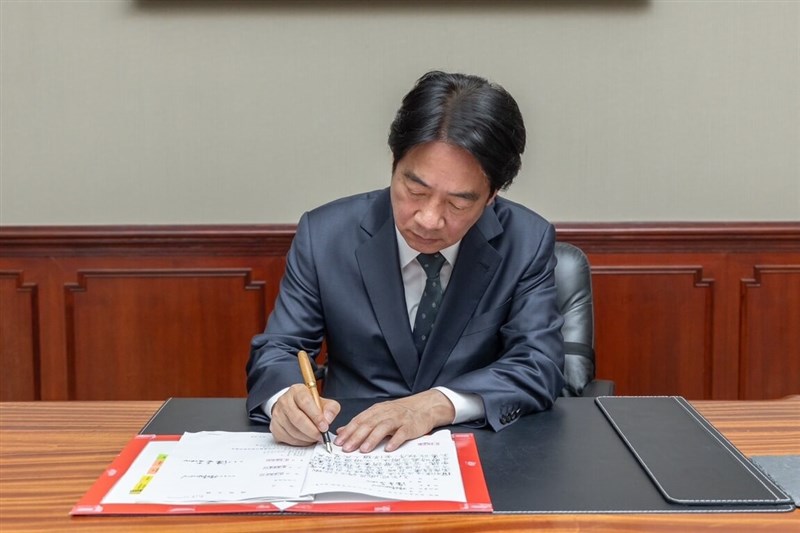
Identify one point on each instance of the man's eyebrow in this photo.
(416, 179)
(469, 196)
(466, 195)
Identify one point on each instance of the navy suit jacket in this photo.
(498, 333)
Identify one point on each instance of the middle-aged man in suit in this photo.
(486, 351)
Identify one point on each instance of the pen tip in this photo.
(328, 447)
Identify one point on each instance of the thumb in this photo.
(330, 409)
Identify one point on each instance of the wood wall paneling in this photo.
(152, 334)
(707, 311)
(19, 338)
(52, 259)
(769, 332)
(654, 336)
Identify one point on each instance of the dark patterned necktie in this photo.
(431, 299)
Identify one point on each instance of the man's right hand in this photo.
(296, 419)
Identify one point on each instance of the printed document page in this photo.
(218, 466)
(421, 469)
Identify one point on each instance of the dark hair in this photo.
(467, 111)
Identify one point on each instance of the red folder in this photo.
(469, 462)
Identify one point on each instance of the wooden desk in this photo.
(51, 452)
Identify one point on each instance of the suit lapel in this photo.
(380, 269)
(475, 267)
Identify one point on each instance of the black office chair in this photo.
(574, 286)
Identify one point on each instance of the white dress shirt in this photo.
(467, 406)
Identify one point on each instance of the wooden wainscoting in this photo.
(19, 338)
(706, 311)
(123, 313)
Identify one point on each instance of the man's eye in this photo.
(457, 207)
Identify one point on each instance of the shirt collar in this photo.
(408, 254)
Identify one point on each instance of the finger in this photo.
(375, 437)
(293, 420)
(346, 432)
(369, 434)
(287, 434)
(301, 426)
(400, 437)
(330, 410)
(398, 430)
(353, 434)
(305, 403)
(293, 425)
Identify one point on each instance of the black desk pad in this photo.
(696, 466)
(565, 460)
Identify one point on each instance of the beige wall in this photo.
(126, 112)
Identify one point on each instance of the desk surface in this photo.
(51, 452)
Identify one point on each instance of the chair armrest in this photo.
(598, 387)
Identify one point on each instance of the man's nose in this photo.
(430, 216)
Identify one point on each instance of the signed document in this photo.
(215, 467)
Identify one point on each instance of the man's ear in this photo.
(490, 201)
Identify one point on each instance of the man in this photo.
(476, 340)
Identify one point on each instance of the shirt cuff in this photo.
(468, 407)
(269, 404)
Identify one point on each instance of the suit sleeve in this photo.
(527, 375)
(296, 323)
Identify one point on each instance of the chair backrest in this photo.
(573, 279)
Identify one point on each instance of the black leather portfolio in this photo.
(605, 455)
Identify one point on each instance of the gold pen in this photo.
(311, 382)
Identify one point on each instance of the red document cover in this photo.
(469, 462)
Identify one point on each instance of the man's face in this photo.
(438, 192)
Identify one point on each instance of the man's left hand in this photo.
(403, 420)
